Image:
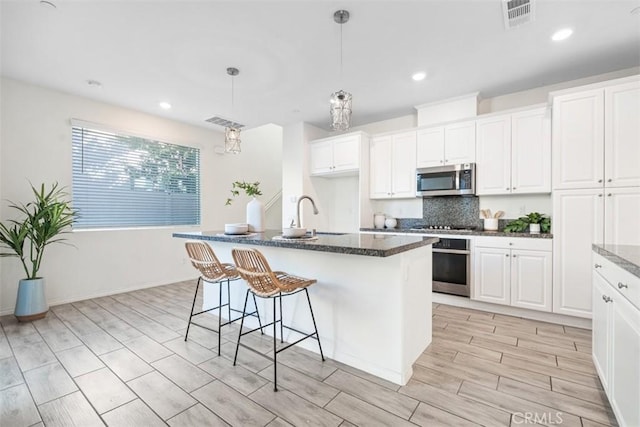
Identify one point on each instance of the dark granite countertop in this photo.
(461, 233)
(378, 245)
(626, 257)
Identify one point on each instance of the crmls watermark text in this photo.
(547, 418)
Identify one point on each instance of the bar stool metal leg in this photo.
(314, 323)
(192, 307)
(275, 339)
(281, 327)
(255, 304)
(244, 310)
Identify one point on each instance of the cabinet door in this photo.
(622, 216)
(531, 276)
(380, 168)
(321, 157)
(492, 275)
(625, 363)
(460, 143)
(346, 154)
(531, 152)
(622, 135)
(578, 140)
(493, 155)
(430, 147)
(403, 165)
(601, 327)
(577, 224)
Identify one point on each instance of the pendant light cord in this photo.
(341, 55)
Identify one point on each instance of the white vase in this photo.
(378, 220)
(534, 228)
(255, 215)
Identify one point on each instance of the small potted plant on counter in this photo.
(43, 221)
(536, 222)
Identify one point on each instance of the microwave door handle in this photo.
(457, 180)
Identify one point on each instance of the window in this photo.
(128, 181)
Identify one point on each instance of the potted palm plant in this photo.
(42, 222)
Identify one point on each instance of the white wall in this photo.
(35, 145)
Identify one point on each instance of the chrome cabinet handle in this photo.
(599, 180)
(513, 188)
(597, 266)
(622, 285)
(507, 188)
(513, 256)
(609, 180)
(599, 195)
(609, 195)
(606, 298)
(507, 255)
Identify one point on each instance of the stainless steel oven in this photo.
(452, 266)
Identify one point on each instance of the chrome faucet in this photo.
(315, 209)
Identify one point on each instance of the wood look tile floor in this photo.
(122, 361)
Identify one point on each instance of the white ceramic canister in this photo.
(390, 223)
(491, 224)
(378, 220)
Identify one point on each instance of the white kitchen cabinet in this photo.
(578, 222)
(446, 145)
(430, 147)
(595, 137)
(335, 156)
(513, 153)
(601, 328)
(616, 339)
(514, 271)
(622, 135)
(581, 218)
(393, 166)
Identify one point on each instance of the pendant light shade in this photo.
(340, 101)
(340, 110)
(232, 134)
(232, 140)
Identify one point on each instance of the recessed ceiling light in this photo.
(419, 76)
(563, 34)
(94, 83)
(165, 105)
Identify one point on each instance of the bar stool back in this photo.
(212, 271)
(265, 283)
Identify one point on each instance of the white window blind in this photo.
(128, 181)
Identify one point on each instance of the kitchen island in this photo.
(372, 302)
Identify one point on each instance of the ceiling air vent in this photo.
(517, 12)
(224, 122)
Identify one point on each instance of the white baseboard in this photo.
(101, 294)
(542, 316)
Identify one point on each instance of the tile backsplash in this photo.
(447, 210)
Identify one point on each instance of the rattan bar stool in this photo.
(213, 271)
(264, 283)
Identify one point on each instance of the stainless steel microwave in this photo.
(450, 180)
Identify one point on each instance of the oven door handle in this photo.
(451, 251)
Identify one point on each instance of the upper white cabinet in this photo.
(514, 153)
(512, 271)
(622, 135)
(446, 145)
(335, 156)
(595, 138)
(393, 166)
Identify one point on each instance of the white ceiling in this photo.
(144, 52)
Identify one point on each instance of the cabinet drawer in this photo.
(621, 280)
(535, 244)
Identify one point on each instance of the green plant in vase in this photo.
(251, 189)
(521, 224)
(43, 221)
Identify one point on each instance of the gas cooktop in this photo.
(444, 227)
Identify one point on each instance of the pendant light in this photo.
(340, 101)
(232, 133)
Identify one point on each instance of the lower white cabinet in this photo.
(513, 271)
(616, 338)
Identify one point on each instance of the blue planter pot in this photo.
(31, 303)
